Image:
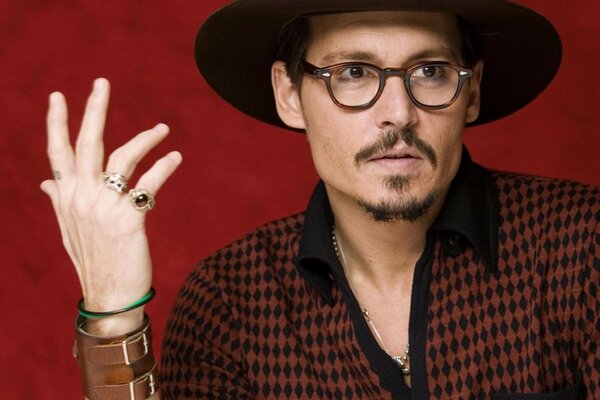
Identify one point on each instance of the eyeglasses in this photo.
(357, 86)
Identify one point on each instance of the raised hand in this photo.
(102, 230)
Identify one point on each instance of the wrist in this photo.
(103, 322)
(102, 299)
(118, 324)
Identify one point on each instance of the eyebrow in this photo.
(433, 54)
(437, 53)
(343, 56)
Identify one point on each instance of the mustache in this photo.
(390, 138)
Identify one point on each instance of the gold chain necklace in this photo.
(402, 360)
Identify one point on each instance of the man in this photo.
(414, 272)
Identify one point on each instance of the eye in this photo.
(352, 72)
(356, 72)
(428, 71)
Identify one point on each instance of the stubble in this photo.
(404, 207)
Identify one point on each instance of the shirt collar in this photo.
(316, 254)
(470, 210)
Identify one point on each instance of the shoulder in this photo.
(260, 254)
(554, 219)
(273, 238)
(239, 283)
(548, 196)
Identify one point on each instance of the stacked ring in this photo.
(115, 181)
(141, 199)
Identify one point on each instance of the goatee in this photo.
(408, 209)
(405, 207)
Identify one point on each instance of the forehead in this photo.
(383, 32)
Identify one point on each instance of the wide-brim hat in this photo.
(236, 46)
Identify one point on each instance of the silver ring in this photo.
(141, 199)
(115, 181)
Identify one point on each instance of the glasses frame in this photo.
(325, 73)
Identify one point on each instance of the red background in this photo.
(237, 173)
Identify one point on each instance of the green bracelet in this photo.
(103, 314)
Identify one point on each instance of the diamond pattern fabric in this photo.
(247, 324)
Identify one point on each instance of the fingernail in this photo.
(161, 127)
(175, 156)
(99, 83)
(54, 97)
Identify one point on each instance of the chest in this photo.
(471, 333)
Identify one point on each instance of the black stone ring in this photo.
(141, 199)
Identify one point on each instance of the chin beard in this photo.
(405, 208)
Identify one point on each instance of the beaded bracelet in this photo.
(103, 314)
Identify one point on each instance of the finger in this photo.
(158, 174)
(125, 158)
(90, 149)
(60, 152)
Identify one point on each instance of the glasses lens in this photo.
(354, 85)
(433, 84)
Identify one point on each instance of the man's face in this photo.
(394, 160)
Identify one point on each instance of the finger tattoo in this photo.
(57, 175)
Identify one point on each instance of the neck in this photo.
(382, 254)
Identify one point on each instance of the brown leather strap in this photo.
(116, 368)
(124, 349)
(140, 389)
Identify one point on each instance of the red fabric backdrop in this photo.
(237, 173)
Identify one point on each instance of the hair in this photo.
(294, 37)
(291, 47)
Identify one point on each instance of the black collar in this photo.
(470, 212)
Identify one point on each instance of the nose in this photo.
(394, 107)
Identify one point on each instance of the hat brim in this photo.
(236, 47)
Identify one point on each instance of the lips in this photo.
(397, 148)
(396, 154)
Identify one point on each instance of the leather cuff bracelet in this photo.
(116, 368)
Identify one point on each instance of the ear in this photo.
(474, 92)
(287, 97)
